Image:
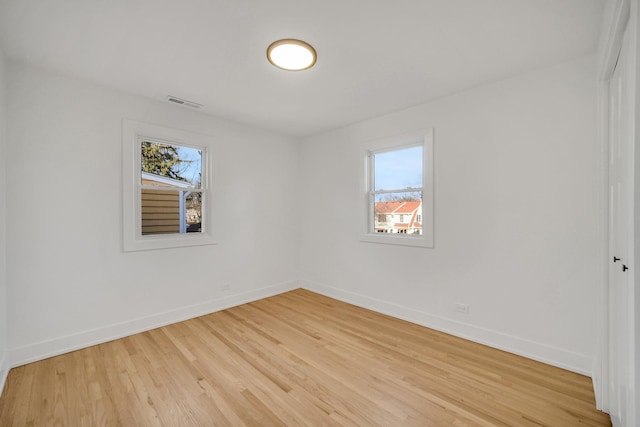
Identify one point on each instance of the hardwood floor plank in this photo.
(296, 359)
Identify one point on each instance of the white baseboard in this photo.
(45, 349)
(550, 355)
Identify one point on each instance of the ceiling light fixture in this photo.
(291, 54)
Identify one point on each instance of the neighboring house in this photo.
(398, 217)
(193, 215)
(163, 206)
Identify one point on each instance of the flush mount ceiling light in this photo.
(291, 54)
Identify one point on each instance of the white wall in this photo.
(70, 284)
(515, 217)
(4, 361)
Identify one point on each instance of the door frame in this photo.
(620, 16)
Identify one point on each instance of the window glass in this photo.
(398, 213)
(397, 195)
(398, 169)
(170, 188)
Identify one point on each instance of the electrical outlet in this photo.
(461, 308)
(226, 286)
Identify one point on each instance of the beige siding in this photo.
(160, 212)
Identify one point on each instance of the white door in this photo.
(620, 244)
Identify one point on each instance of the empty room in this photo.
(306, 213)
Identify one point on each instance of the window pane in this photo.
(398, 169)
(398, 213)
(170, 165)
(193, 206)
(160, 211)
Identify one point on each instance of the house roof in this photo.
(397, 207)
(408, 207)
(385, 207)
(165, 181)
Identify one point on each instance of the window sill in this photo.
(167, 241)
(386, 239)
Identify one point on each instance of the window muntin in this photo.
(399, 191)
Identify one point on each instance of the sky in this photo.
(398, 169)
(191, 170)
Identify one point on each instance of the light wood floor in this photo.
(295, 359)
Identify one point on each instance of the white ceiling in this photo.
(374, 56)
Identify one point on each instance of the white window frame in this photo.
(422, 138)
(133, 133)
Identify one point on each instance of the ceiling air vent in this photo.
(184, 102)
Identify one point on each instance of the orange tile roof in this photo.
(397, 207)
(408, 207)
(386, 207)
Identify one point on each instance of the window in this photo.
(165, 188)
(399, 191)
